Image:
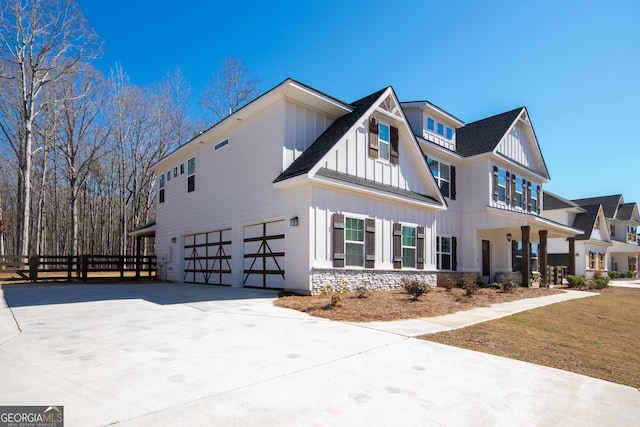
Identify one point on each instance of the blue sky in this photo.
(575, 65)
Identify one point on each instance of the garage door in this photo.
(207, 258)
(264, 255)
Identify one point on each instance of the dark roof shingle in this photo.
(625, 212)
(329, 138)
(483, 136)
(553, 201)
(609, 203)
(585, 221)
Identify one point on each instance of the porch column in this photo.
(542, 257)
(572, 255)
(526, 255)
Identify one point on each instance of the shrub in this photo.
(335, 292)
(600, 282)
(508, 287)
(447, 283)
(496, 285)
(630, 274)
(362, 291)
(415, 288)
(470, 288)
(576, 281)
(614, 274)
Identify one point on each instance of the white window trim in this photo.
(387, 143)
(414, 247)
(346, 241)
(440, 253)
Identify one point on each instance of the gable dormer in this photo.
(433, 123)
(520, 145)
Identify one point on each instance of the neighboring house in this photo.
(610, 241)
(299, 190)
(491, 173)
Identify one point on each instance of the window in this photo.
(502, 185)
(168, 176)
(384, 140)
(182, 169)
(592, 260)
(449, 133)
(219, 145)
(601, 261)
(354, 242)
(443, 253)
(596, 224)
(534, 198)
(440, 129)
(612, 228)
(191, 170)
(534, 257)
(175, 171)
(518, 192)
(408, 246)
(161, 195)
(442, 173)
(431, 125)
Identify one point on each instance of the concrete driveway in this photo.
(163, 354)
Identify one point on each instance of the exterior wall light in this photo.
(508, 237)
(293, 222)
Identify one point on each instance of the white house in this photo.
(298, 190)
(491, 173)
(609, 241)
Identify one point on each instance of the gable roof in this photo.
(609, 203)
(484, 135)
(586, 220)
(625, 211)
(552, 201)
(329, 138)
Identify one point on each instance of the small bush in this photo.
(415, 288)
(447, 283)
(470, 288)
(496, 285)
(335, 293)
(508, 287)
(630, 274)
(600, 282)
(362, 291)
(576, 281)
(614, 274)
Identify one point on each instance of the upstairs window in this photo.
(502, 185)
(161, 184)
(181, 168)
(612, 229)
(409, 247)
(168, 176)
(431, 124)
(534, 197)
(442, 173)
(191, 170)
(519, 193)
(440, 129)
(384, 140)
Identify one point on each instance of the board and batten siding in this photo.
(303, 126)
(350, 156)
(517, 145)
(325, 202)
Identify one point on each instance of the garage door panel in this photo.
(208, 258)
(263, 263)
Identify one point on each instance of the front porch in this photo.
(514, 246)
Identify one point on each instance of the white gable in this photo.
(600, 230)
(521, 146)
(350, 155)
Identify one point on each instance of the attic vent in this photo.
(221, 144)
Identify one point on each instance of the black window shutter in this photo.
(453, 182)
(397, 245)
(454, 253)
(373, 138)
(507, 190)
(524, 194)
(338, 240)
(495, 183)
(420, 248)
(370, 243)
(394, 154)
(514, 257)
(529, 196)
(514, 199)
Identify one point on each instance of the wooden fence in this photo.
(77, 268)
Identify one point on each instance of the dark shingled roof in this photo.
(585, 221)
(625, 212)
(376, 185)
(483, 136)
(609, 203)
(553, 201)
(329, 138)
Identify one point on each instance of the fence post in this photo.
(33, 268)
(84, 262)
(121, 266)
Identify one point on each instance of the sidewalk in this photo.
(461, 319)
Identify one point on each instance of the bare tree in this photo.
(40, 42)
(231, 88)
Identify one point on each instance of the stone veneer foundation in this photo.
(378, 280)
(515, 277)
